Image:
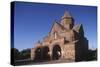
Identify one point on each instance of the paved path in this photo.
(38, 63)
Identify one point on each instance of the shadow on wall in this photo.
(82, 52)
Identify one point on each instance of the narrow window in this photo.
(55, 35)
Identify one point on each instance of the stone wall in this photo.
(65, 41)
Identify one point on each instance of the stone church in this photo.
(65, 41)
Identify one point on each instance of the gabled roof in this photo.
(78, 28)
(56, 25)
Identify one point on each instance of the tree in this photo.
(25, 54)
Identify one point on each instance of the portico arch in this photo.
(56, 52)
(45, 53)
(38, 53)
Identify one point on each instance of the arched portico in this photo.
(38, 54)
(56, 52)
(45, 53)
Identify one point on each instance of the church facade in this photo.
(65, 41)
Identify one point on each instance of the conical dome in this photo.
(66, 15)
(67, 21)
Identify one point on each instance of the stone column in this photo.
(62, 54)
(32, 54)
(50, 52)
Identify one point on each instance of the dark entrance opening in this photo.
(45, 55)
(56, 53)
(38, 54)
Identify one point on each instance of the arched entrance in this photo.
(45, 53)
(56, 52)
(38, 54)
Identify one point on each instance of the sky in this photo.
(33, 21)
